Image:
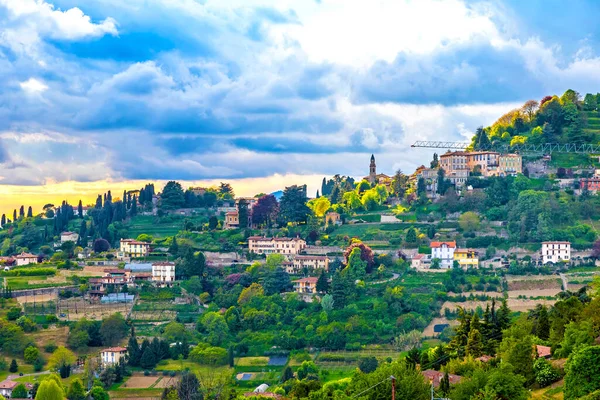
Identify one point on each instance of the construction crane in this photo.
(546, 148)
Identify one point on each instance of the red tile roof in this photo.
(310, 279)
(115, 350)
(8, 384)
(26, 255)
(543, 351)
(439, 244)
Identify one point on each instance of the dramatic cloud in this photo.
(237, 89)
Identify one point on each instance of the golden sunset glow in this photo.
(13, 196)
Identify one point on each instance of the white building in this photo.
(555, 252)
(26, 259)
(133, 248)
(310, 263)
(163, 272)
(265, 245)
(69, 237)
(444, 251)
(112, 356)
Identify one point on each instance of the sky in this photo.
(102, 94)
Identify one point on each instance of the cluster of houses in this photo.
(113, 282)
(296, 263)
(447, 254)
(458, 165)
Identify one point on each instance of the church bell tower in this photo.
(372, 171)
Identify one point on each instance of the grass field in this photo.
(251, 361)
(176, 365)
(159, 228)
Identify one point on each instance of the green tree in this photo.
(545, 374)
(503, 384)
(322, 283)
(20, 392)
(76, 391)
(356, 268)
(409, 383)
(327, 303)
(50, 390)
(292, 207)
(517, 349)
(148, 359)
(174, 248)
(468, 221)
(216, 327)
(411, 235)
(188, 387)
(98, 393)
(319, 206)
(368, 364)
(287, 374)
(445, 384)
(113, 329)
(243, 213)
(31, 354)
(14, 367)
(61, 360)
(172, 196)
(589, 102)
(306, 368)
(339, 290)
(582, 372)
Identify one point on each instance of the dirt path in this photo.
(394, 277)
(565, 281)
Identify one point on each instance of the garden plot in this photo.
(76, 308)
(533, 286)
(518, 305)
(139, 382)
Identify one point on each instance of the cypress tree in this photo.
(13, 366)
(322, 283)
(15, 215)
(98, 202)
(543, 325)
(80, 209)
(148, 359)
(29, 212)
(133, 210)
(287, 374)
(174, 249)
(22, 212)
(3, 220)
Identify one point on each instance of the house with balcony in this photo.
(555, 252)
(306, 285)
(466, 258)
(309, 263)
(112, 356)
(285, 246)
(163, 273)
(444, 251)
(26, 259)
(133, 248)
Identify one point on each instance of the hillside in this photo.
(564, 119)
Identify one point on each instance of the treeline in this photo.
(553, 119)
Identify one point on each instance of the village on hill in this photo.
(474, 275)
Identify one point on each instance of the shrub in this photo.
(50, 347)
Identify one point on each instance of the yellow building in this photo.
(467, 258)
(232, 220)
(306, 285)
(265, 245)
(510, 164)
(333, 218)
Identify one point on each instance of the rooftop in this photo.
(115, 350)
(26, 255)
(310, 279)
(440, 244)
